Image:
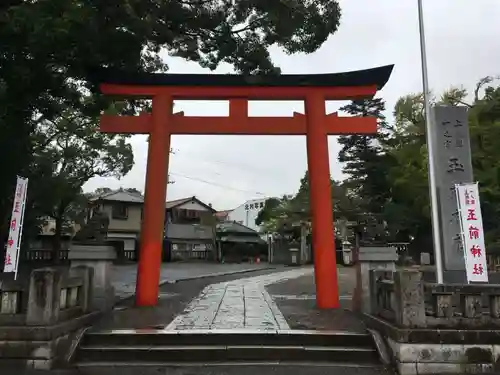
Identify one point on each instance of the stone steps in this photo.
(233, 369)
(150, 347)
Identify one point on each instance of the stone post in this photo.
(44, 297)
(85, 294)
(373, 258)
(409, 306)
(304, 256)
(295, 259)
(99, 257)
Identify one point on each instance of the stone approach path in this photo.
(237, 304)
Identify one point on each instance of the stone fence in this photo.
(421, 327)
(404, 299)
(48, 297)
(41, 316)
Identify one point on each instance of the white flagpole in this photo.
(436, 227)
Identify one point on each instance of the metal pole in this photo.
(436, 228)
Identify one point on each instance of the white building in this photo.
(247, 213)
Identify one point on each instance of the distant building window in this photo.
(261, 204)
(120, 211)
(251, 206)
(246, 207)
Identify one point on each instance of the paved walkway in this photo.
(124, 276)
(237, 304)
(173, 299)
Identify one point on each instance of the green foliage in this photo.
(69, 151)
(48, 48)
(285, 213)
(484, 120)
(267, 212)
(406, 210)
(102, 190)
(364, 160)
(387, 178)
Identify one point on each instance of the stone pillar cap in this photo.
(377, 254)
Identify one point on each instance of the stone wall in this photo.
(431, 328)
(41, 316)
(405, 299)
(280, 253)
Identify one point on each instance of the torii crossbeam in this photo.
(315, 124)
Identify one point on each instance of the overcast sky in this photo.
(462, 46)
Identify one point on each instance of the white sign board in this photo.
(11, 260)
(471, 223)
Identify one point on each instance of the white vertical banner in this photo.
(471, 222)
(11, 260)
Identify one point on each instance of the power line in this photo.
(222, 162)
(216, 184)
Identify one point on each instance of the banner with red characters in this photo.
(11, 260)
(471, 223)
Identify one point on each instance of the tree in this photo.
(69, 151)
(102, 190)
(387, 174)
(284, 213)
(50, 48)
(267, 213)
(134, 191)
(484, 119)
(407, 211)
(365, 163)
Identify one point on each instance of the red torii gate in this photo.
(315, 124)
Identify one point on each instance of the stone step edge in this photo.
(225, 347)
(232, 363)
(228, 332)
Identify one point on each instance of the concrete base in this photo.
(412, 359)
(41, 348)
(100, 257)
(434, 351)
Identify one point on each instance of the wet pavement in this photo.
(278, 299)
(237, 304)
(262, 301)
(124, 276)
(173, 298)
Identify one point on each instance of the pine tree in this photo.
(366, 166)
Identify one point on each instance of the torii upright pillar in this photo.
(315, 125)
(323, 241)
(153, 224)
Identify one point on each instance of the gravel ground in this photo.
(295, 299)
